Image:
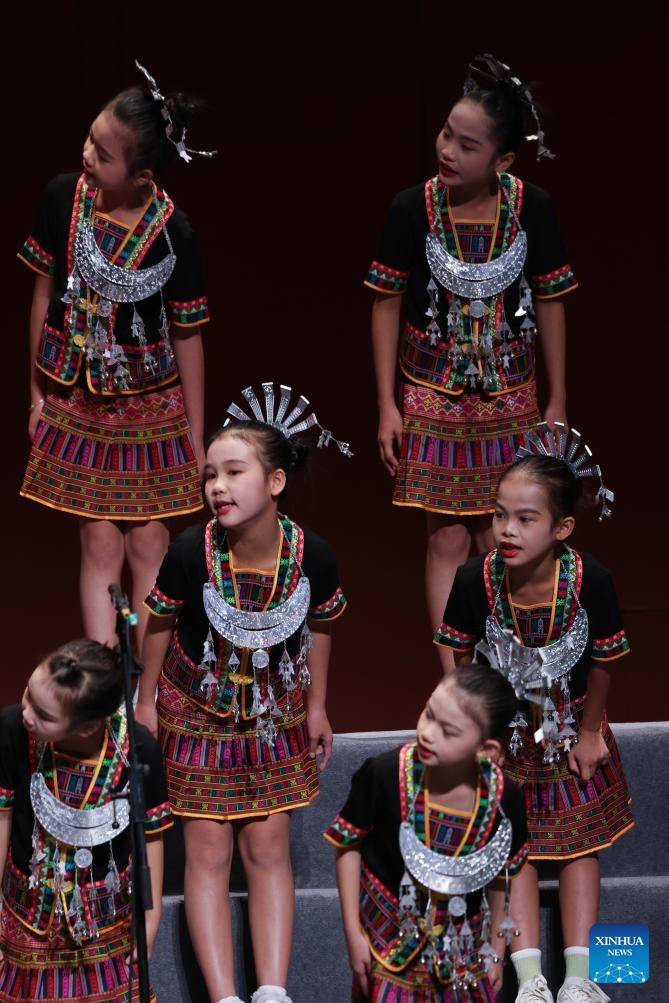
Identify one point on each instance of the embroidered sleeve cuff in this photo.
(343, 833)
(158, 818)
(385, 279)
(605, 649)
(162, 605)
(37, 258)
(330, 609)
(452, 638)
(6, 799)
(516, 862)
(556, 283)
(189, 313)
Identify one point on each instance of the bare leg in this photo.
(524, 908)
(579, 899)
(209, 846)
(482, 537)
(102, 554)
(145, 546)
(265, 850)
(448, 545)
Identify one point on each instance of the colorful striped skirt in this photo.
(568, 817)
(416, 985)
(220, 769)
(455, 449)
(52, 967)
(121, 457)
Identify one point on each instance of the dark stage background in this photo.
(321, 113)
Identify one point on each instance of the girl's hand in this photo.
(555, 412)
(360, 959)
(320, 736)
(588, 754)
(34, 416)
(389, 437)
(147, 715)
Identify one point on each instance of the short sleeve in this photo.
(389, 271)
(156, 799)
(609, 640)
(513, 804)
(327, 598)
(13, 748)
(184, 292)
(41, 246)
(550, 271)
(171, 589)
(355, 820)
(461, 626)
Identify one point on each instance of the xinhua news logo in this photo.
(619, 952)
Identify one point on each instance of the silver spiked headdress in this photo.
(566, 444)
(289, 422)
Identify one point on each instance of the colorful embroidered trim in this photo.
(37, 258)
(562, 280)
(386, 279)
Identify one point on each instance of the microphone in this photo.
(119, 599)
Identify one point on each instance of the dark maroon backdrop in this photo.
(321, 114)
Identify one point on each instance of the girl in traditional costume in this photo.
(561, 605)
(116, 383)
(469, 267)
(422, 840)
(238, 648)
(65, 838)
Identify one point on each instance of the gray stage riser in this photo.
(635, 886)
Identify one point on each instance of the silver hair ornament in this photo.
(170, 129)
(500, 72)
(289, 424)
(566, 445)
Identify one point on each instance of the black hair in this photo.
(564, 488)
(507, 103)
(90, 679)
(487, 696)
(275, 450)
(141, 113)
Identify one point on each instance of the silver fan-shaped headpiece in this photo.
(566, 444)
(288, 421)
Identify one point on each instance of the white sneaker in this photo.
(230, 999)
(535, 990)
(577, 990)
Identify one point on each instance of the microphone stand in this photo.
(141, 877)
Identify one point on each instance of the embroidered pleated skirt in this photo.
(455, 449)
(217, 768)
(51, 968)
(121, 457)
(568, 817)
(417, 985)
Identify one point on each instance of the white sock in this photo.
(527, 963)
(576, 960)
